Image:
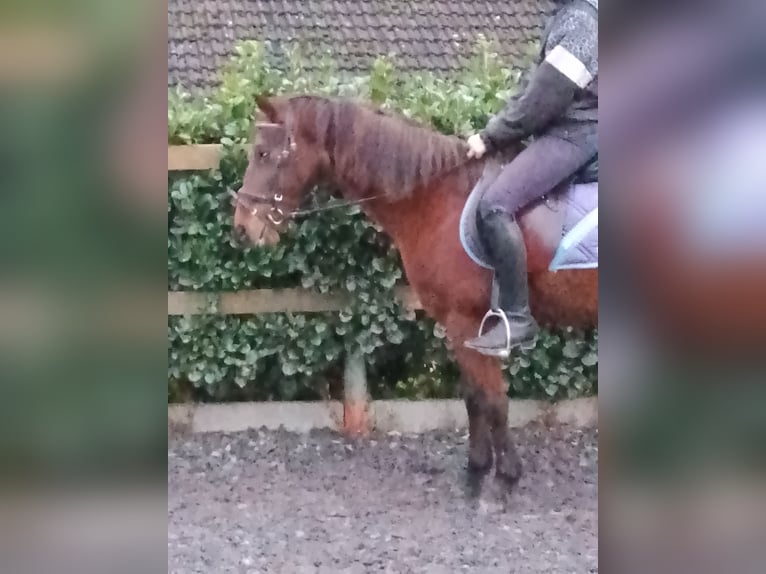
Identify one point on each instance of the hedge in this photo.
(299, 356)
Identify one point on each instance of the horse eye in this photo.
(263, 154)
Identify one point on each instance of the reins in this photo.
(275, 201)
(342, 204)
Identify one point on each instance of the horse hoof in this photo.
(474, 483)
(480, 457)
(509, 471)
(480, 467)
(475, 475)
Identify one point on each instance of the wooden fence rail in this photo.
(193, 157)
(259, 301)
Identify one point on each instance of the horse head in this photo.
(282, 167)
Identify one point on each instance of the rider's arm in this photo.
(570, 65)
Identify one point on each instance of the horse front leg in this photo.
(480, 443)
(480, 456)
(486, 398)
(458, 302)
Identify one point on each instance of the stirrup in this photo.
(504, 353)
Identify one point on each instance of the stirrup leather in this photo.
(504, 353)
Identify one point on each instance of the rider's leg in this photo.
(540, 168)
(504, 245)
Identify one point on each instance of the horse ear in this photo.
(268, 109)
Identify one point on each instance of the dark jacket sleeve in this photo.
(547, 96)
(570, 64)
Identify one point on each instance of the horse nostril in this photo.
(240, 234)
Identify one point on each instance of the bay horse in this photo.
(413, 182)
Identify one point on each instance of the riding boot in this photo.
(504, 244)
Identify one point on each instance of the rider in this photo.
(559, 107)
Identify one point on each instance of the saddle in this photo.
(562, 226)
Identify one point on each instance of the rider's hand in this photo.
(476, 146)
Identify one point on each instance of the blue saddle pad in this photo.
(578, 248)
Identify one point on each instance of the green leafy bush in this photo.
(299, 356)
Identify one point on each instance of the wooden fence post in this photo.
(355, 395)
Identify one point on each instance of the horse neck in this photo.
(400, 217)
(392, 211)
(373, 201)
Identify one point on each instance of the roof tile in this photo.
(202, 33)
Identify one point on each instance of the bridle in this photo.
(276, 215)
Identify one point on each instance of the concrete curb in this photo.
(384, 416)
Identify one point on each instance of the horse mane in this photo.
(379, 151)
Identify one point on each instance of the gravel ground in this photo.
(276, 502)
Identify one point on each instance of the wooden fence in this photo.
(259, 301)
(253, 302)
(193, 157)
